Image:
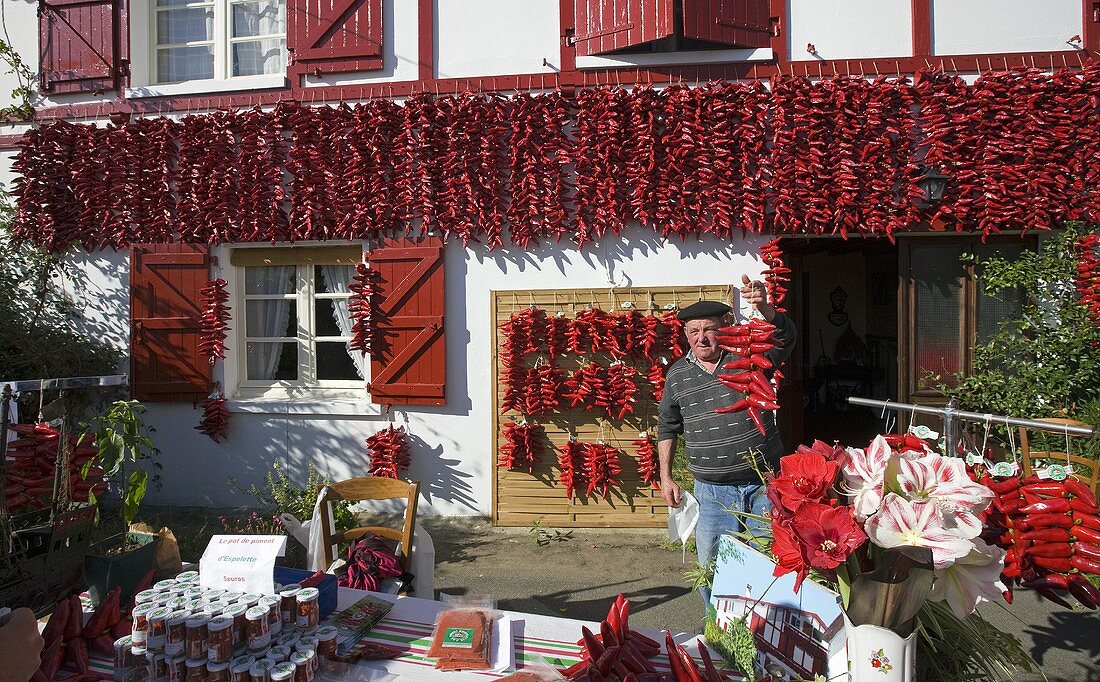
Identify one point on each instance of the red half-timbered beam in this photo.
(922, 27)
(779, 26)
(426, 56)
(1091, 27)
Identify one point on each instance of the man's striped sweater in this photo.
(716, 445)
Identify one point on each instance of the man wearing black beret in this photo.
(717, 445)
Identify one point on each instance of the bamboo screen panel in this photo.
(521, 498)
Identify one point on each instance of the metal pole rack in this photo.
(951, 416)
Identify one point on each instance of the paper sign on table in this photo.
(243, 563)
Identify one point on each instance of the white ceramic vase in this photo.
(879, 655)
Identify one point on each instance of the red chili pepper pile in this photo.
(1051, 533)
(615, 650)
(370, 561)
(388, 451)
(522, 446)
(215, 417)
(648, 466)
(1087, 280)
(67, 638)
(31, 463)
(215, 319)
(751, 341)
(836, 156)
(362, 306)
(684, 668)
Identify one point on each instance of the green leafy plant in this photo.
(23, 93)
(40, 331)
(736, 644)
(1042, 362)
(545, 536)
(253, 524)
(281, 494)
(123, 441)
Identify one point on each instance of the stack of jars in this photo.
(185, 633)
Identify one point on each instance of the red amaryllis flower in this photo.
(788, 551)
(804, 477)
(827, 534)
(833, 453)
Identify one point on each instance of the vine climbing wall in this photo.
(577, 374)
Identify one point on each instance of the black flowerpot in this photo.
(119, 561)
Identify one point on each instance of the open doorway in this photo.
(843, 299)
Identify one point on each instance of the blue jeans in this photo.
(715, 520)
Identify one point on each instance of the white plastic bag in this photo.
(682, 520)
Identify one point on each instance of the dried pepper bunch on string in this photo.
(215, 319)
(388, 451)
(522, 446)
(215, 416)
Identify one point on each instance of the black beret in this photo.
(703, 309)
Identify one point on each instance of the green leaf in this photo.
(134, 494)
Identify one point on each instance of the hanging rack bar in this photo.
(975, 416)
(67, 382)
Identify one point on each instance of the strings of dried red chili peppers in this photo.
(362, 305)
(1087, 279)
(388, 452)
(215, 416)
(837, 156)
(215, 319)
(522, 447)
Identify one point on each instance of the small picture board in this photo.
(802, 633)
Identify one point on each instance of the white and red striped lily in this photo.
(905, 523)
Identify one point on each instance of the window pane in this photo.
(1008, 302)
(269, 279)
(185, 63)
(191, 24)
(259, 18)
(333, 362)
(938, 275)
(325, 323)
(272, 361)
(257, 57)
(271, 318)
(333, 279)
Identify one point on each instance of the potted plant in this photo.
(121, 560)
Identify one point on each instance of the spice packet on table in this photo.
(462, 639)
(358, 619)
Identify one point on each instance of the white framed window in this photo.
(217, 39)
(293, 320)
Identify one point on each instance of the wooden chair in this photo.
(1085, 470)
(372, 488)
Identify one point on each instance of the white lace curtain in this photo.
(271, 318)
(338, 277)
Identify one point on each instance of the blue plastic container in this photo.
(326, 600)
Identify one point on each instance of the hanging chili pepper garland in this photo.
(362, 306)
(648, 469)
(215, 416)
(215, 319)
(388, 452)
(750, 341)
(1051, 533)
(601, 468)
(522, 447)
(571, 463)
(1087, 279)
(683, 161)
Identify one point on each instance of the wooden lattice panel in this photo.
(521, 498)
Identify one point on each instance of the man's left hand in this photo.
(756, 294)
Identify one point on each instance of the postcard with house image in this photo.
(802, 634)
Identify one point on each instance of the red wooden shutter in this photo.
(164, 322)
(736, 23)
(335, 36)
(606, 25)
(81, 48)
(410, 367)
